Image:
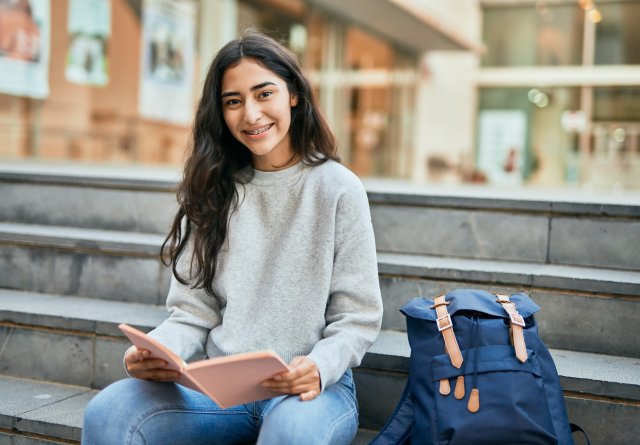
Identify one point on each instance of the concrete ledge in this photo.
(53, 411)
(576, 321)
(596, 374)
(42, 408)
(550, 276)
(117, 177)
(88, 315)
(80, 206)
(560, 201)
(108, 241)
(565, 201)
(580, 372)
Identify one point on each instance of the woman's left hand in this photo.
(303, 379)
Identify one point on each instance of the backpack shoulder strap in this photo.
(397, 430)
(575, 428)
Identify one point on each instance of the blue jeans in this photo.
(134, 411)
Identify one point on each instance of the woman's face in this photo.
(256, 105)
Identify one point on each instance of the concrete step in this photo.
(36, 412)
(51, 324)
(60, 330)
(72, 340)
(508, 225)
(137, 200)
(583, 308)
(41, 413)
(481, 223)
(106, 264)
(602, 393)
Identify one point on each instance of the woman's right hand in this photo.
(140, 366)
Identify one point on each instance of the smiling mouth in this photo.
(259, 130)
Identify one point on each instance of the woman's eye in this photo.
(266, 94)
(233, 101)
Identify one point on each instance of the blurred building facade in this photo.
(501, 91)
(571, 71)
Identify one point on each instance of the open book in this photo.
(228, 381)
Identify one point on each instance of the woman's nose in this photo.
(252, 112)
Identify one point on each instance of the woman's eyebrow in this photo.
(253, 88)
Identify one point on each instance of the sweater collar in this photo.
(284, 177)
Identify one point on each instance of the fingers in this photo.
(303, 379)
(309, 395)
(140, 365)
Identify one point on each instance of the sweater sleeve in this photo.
(193, 314)
(354, 310)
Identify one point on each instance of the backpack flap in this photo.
(516, 308)
(469, 300)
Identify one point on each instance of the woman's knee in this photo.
(114, 410)
(323, 422)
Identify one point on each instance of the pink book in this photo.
(228, 381)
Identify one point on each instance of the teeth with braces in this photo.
(260, 130)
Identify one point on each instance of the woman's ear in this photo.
(294, 100)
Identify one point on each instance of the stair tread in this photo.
(77, 313)
(380, 190)
(599, 374)
(613, 376)
(55, 410)
(98, 239)
(588, 279)
(579, 278)
(49, 409)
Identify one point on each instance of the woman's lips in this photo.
(258, 132)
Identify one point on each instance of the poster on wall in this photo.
(501, 145)
(24, 47)
(89, 27)
(168, 52)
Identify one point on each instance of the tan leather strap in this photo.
(445, 326)
(517, 323)
(458, 393)
(474, 401)
(445, 387)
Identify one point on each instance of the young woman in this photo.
(272, 248)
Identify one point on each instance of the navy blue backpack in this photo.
(479, 374)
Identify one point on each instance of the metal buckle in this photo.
(447, 318)
(517, 319)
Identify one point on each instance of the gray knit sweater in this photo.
(297, 274)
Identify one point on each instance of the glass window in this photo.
(616, 104)
(543, 151)
(281, 24)
(376, 136)
(540, 34)
(618, 34)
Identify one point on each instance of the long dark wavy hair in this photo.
(207, 193)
